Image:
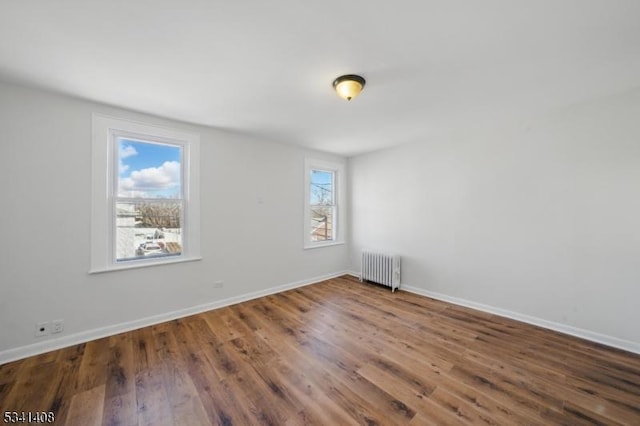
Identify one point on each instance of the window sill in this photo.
(143, 264)
(309, 246)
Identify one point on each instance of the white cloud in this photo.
(124, 152)
(141, 183)
(127, 151)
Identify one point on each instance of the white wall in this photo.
(541, 219)
(45, 170)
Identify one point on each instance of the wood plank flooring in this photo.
(334, 353)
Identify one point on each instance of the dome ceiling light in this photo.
(348, 86)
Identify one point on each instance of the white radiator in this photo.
(381, 268)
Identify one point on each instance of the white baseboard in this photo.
(86, 336)
(615, 342)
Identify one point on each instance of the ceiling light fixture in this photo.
(348, 86)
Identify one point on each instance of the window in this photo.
(324, 192)
(322, 204)
(145, 201)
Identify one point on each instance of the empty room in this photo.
(327, 213)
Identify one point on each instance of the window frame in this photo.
(339, 195)
(106, 133)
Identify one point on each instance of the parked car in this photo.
(149, 249)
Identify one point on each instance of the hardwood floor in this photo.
(334, 353)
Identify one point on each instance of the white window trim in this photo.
(338, 169)
(105, 130)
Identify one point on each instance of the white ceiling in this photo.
(266, 67)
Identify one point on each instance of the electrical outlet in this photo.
(218, 284)
(42, 329)
(57, 326)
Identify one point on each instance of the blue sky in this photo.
(320, 179)
(148, 169)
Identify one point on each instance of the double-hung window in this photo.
(324, 195)
(145, 201)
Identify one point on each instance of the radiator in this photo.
(381, 268)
